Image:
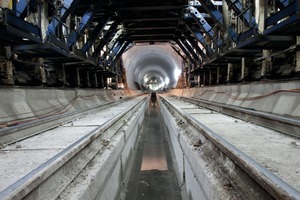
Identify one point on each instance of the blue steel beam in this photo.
(244, 15)
(120, 52)
(106, 38)
(185, 51)
(188, 48)
(113, 47)
(85, 21)
(115, 51)
(217, 16)
(282, 3)
(201, 21)
(213, 12)
(95, 33)
(67, 8)
(194, 44)
(204, 25)
(22, 7)
(198, 35)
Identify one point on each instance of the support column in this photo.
(78, 77)
(243, 69)
(88, 78)
(210, 77)
(204, 78)
(96, 80)
(64, 74)
(8, 67)
(218, 75)
(297, 69)
(9, 73)
(266, 63)
(229, 69)
(42, 70)
(261, 12)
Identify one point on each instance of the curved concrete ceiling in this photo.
(156, 65)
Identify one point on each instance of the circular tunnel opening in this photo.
(152, 67)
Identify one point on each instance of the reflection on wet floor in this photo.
(153, 176)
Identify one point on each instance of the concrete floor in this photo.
(153, 175)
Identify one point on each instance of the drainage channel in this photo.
(153, 175)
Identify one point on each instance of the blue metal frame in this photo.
(85, 21)
(68, 7)
(185, 51)
(97, 30)
(243, 14)
(290, 12)
(106, 38)
(21, 7)
(195, 45)
(217, 16)
(282, 3)
(198, 35)
(204, 25)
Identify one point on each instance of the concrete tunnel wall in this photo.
(18, 103)
(280, 98)
(152, 61)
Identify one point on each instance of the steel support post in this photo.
(96, 79)
(88, 78)
(210, 77)
(218, 75)
(266, 63)
(9, 73)
(78, 77)
(229, 69)
(243, 68)
(260, 14)
(63, 67)
(42, 70)
(297, 69)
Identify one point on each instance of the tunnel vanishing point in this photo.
(164, 100)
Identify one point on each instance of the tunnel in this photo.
(164, 100)
(156, 67)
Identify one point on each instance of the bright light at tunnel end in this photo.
(177, 73)
(152, 68)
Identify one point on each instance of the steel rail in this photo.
(287, 125)
(267, 180)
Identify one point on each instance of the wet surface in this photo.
(153, 176)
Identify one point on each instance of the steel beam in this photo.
(22, 7)
(198, 35)
(194, 44)
(106, 38)
(95, 33)
(244, 14)
(282, 3)
(85, 21)
(189, 47)
(68, 7)
(185, 51)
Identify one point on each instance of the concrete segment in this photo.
(281, 103)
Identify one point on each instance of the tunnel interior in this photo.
(154, 67)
